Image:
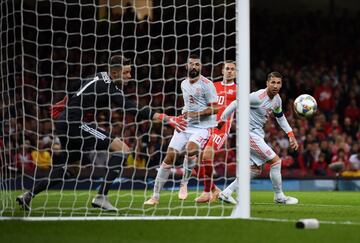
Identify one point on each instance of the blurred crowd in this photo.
(315, 53)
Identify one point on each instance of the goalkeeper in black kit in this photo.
(79, 134)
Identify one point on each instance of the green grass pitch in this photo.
(338, 212)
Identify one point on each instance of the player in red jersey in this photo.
(226, 91)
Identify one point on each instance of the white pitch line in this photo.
(294, 220)
(91, 218)
(312, 205)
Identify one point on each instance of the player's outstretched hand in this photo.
(56, 109)
(293, 143)
(177, 122)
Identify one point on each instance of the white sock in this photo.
(275, 176)
(161, 178)
(231, 188)
(188, 165)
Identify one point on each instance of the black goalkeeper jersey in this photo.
(98, 94)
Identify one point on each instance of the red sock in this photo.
(208, 183)
(201, 172)
(212, 185)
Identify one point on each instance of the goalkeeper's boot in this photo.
(183, 192)
(152, 201)
(24, 201)
(286, 200)
(205, 197)
(101, 201)
(227, 198)
(215, 194)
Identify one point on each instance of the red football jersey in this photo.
(226, 94)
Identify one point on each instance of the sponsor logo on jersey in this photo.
(105, 77)
(268, 152)
(230, 91)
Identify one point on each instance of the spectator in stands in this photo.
(349, 127)
(23, 158)
(353, 111)
(312, 152)
(320, 166)
(324, 94)
(42, 156)
(341, 157)
(326, 150)
(136, 159)
(354, 161)
(287, 162)
(354, 165)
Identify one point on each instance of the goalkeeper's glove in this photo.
(177, 122)
(56, 109)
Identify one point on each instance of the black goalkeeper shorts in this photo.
(78, 141)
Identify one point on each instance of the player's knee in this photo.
(208, 153)
(255, 171)
(275, 160)
(171, 157)
(119, 146)
(276, 165)
(192, 149)
(165, 165)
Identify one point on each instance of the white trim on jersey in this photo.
(87, 85)
(225, 84)
(93, 131)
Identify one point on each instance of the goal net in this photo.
(47, 47)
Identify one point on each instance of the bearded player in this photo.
(226, 91)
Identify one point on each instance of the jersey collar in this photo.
(225, 84)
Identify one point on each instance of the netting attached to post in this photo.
(49, 48)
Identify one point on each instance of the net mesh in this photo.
(47, 46)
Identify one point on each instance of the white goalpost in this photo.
(242, 209)
(48, 48)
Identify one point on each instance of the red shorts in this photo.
(218, 137)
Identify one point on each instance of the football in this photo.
(305, 105)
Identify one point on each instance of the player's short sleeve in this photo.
(255, 100)
(211, 94)
(277, 105)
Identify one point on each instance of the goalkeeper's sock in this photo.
(56, 176)
(188, 165)
(275, 176)
(208, 183)
(231, 188)
(161, 178)
(108, 181)
(114, 164)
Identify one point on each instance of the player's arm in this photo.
(284, 124)
(56, 109)
(254, 100)
(212, 105)
(210, 110)
(228, 111)
(145, 113)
